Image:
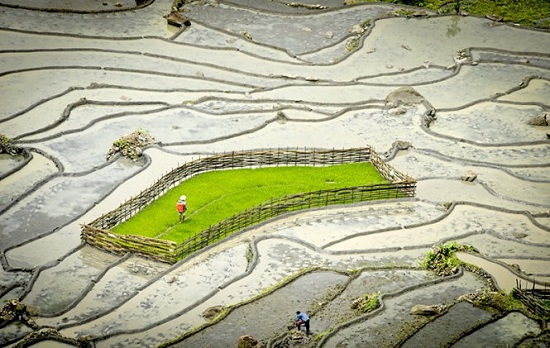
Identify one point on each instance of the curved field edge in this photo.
(98, 233)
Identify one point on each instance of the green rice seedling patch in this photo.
(215, 196)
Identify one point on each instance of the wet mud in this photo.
(71, 83)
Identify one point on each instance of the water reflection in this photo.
(453, 29)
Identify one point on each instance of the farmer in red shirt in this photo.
(181, 207)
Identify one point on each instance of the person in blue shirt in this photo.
(302, 319)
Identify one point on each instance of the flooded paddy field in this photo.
(261, 74)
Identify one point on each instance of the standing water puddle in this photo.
(504, 278)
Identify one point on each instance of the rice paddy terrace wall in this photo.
(98, 234)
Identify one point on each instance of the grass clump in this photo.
(353, 44)
(442, 259)
(533, 13)
(366, 303)
(6, 146)
(130, 145)
(355, 41)
(403, 13)
(215, 196)
(496, 300)
(366, 23)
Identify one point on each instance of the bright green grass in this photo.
(525, 12)
(215, 196)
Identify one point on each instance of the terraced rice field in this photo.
(261, 74)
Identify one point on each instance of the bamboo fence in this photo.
(98, 234)
(533, 298)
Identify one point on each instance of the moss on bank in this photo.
(442, 259)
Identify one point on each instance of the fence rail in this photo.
(97, 232)
(535, 304)
(533, 297)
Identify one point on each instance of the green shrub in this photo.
(442, 259)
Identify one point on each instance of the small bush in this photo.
(130, 145)
(6, 146)
(442, 260)
(366, 303)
